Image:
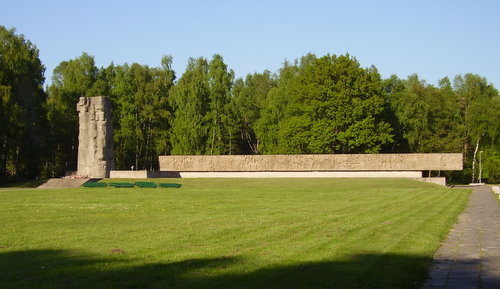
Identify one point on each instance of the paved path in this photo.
(470, 256)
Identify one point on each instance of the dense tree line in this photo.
(23, 121)
(327, 104)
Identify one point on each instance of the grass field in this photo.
(231, 233)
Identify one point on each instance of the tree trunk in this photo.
(474, 159)
(249, 140)
(3, 160)
(230, 143)
(212, 145)
(137, 148)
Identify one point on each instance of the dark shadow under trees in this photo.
(68, 269)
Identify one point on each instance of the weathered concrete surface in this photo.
(330, 162)
(393, 174)
(95, 139)
(139, 174)
(128, 174)
(63, 183)
(434, 180)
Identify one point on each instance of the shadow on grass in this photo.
(64, 269)
(23, 184)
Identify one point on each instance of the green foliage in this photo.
(250, 97)
(480, 109)
(189, 102)
(459, 118)
(427, 117)
(142, 113)
(447, 129)
(220, 116)
(482, 119)
(471, 87)
(205, 120)
(326, 104)
(140, 110)
(332, 106)
(71, 79)
(491, 164)
(22, 116)
(268, 126)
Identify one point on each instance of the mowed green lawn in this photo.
(226, 233)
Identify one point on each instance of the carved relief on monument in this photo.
(95, 139)
(340, 162)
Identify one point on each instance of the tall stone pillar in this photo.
(95, 139)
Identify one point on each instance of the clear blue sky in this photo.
(434, 38)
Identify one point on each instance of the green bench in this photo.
(146, 184)
(169, 185)
(95, 185)
(122, 185)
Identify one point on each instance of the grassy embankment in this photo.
(232, 233)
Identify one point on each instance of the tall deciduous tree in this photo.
(140, 96)
(480, 109)
(314, 105)
(447, 127)
(189, 101)
(392, 88)
(483, 126)
(335, 106)
(71, 79)
(220, 115)
(250, 97)
(272, 113)
(22, 114)
(428, 118)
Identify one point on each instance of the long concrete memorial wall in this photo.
(313, 163)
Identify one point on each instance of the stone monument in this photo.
(313, 163)
(95, 139)
(312, 166)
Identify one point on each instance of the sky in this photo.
(433, 38)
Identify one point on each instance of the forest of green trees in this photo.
(315, 104)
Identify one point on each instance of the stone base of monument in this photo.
(434, 180)
(142, 174)
(416, 175)
(63, 183)
(336, 174)
(409, 166)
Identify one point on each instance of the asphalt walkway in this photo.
(470, 256)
